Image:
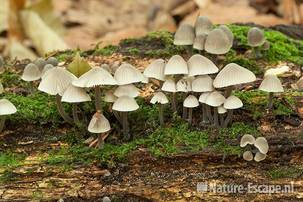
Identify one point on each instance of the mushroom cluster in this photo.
(255, 149)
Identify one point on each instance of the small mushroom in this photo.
(256, 39)
(262, 145)
(215, 99)
(160, 99)
(248, 156)
(6, 108)
(46, 68)
(202, 83)
(176, 65)
(170, 86)
(155, 70)
(203, 25)
(199, 42)
(232, 75)
(53, 61)
(200, 65)
(271, 84)
(185, 36)
(206, 113)
(190, 102)
(127, 74)
(127, 90)
(247, 139)
(31, 73)
(259, 157)
(228, 32)
(217, 42)
(40, 62)
(55, 82)
(125, 104)
(221, 112)
(95, 78)
(231, 103)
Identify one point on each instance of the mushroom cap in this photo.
(110, 97)
(155, 70)
(255, 37)
(247, 139)
(52, 60)
(145, 79)
(95, 77)
(217, 42)
(183, 85)
(185, 35)
(127, 74)
(169, 86)
(203, 25)
(200, 65)
(176, 65)
(191, 102)
(6, 107)
(248, 156)
(31, 72)
(215, 99)
(40, 62)
(221, 110)
(199, 42)
(202, 83)
(125, 104)
(262, 145)
(233, 102)
(98, 124)
(56, 81)
(228, 32)
(298, 85)
(271, 83)
(75, 94)
(259, 157)
(46, 68)
(203, 97)
(127, 90)
(277, 70)
(233, 74)
(159, 97)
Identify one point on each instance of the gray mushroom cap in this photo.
(247, 139)
(185, 35)
(217, 42)
(255, 37)
(259, 157)
(228, 32)
(262, 145)
(248, 156)
(203, 25)
(53, 61)
(199, 42)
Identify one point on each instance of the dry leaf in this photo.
(78, 66)
(43, 37)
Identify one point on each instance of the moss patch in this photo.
(292, 172)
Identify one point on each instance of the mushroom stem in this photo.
(204, 113)
(2, 123)
(208, 112)
(190, 115)
(228, 118)
(228, 91)
(222, 120)
(100, 142)
(75, 113)
(173, 101)
(118, 117)
(216, 118)
(98, 98)
(257, 52)
(184, 110)
(61, 110)
(125, 124)
(270, 100)
(161, 117)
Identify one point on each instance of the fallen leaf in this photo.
(78, 66)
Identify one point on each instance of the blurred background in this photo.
(34, 27)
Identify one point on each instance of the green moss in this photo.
(11, 160)
(292, 172)
(133, 51)
(8, 176)
(106, 51)
(12, 80)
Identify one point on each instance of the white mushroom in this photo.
(155, 70)
(31, 73)
(217, 42)
(248, 156)
(190, 102)
(231, 103)
(203, 25)
(200, 65)
(127, 90)
(247, 139)
(215, 99)
(185, 35)
(99, 124)
(6, 108)
(160, 99)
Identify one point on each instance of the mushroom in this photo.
(160, 99)
(127, 90)
(46, 68)
(203, 25)
(53, 61)
(228, 32)
(247, 139)
(231, 103)
(99, 124)
(255, 38)
(40, 62)
(170, 86)
(262, 145)
(190, 102)
(207, 117)
(231, 75)
(215, 99)
(248, 156)
(95, 78)
(155, 70)
(200, 65)
(75, 95)
(217, 42)
(221, 112)
(259, 157)
(55, 82)
(271, 84)
(125, 104)
(185, 36)
(176, 65)
(6, 108)
(31, 73)
(199, 42)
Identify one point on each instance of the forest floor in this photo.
(44, 159)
